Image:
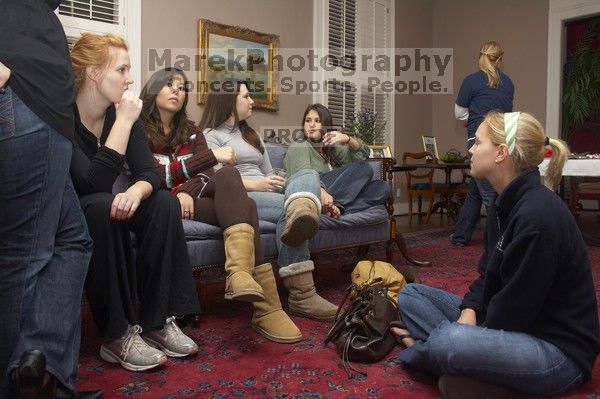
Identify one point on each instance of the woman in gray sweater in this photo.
(293, 204)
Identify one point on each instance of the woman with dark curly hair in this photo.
(185, 165)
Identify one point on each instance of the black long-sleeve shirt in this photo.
(535, 274)
(95, 167)
(33, 45)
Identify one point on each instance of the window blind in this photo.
(342, 33)
(95, 10)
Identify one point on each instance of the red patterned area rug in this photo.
(236, 362)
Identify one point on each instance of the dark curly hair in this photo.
(151, 117)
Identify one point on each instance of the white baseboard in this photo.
(401, 208)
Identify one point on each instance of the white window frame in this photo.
(560, 11)
(129, 27)
(320, 41)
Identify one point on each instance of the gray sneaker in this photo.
(171, 340)
(132, 352)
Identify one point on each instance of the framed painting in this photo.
(430, 145)
(234, 53)
(380, 151)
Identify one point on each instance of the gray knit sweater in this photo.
(249, 161)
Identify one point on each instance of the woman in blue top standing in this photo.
(488, 89)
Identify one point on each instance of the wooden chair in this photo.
(419, 183)
(459, 189)
(584, 188)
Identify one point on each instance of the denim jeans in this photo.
(270, 208)
(480, 191)
(353, 188)
(44, 245)
(443, 346)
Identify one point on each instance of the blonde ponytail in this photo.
(560, 154)
(490, 56)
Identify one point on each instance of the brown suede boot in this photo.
(239, 264)
(301, 219)
(303, 299)
(453, 386)
(269, 319)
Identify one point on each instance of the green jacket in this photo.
(302, 155)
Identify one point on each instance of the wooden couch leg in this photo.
(389, 251)
(361, 252)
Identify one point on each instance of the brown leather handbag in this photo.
(362, 332)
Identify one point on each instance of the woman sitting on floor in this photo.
(530, 321)
(347, 183)
(185, 165)
(127, 297)
(292, 204)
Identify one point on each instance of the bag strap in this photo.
(338, 323)
(348, 367)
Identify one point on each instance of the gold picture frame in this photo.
(233, 52)
(380, 151)
(430, 145)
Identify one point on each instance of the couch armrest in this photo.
(385, 173)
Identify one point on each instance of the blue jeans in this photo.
(443, 346)
(480, 191)
(270, 207)
(44, 245)
(353, 188)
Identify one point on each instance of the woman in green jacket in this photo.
(347, 183)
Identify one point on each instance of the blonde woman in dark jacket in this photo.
(530, 321)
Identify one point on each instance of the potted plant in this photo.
(366, 127)
(581, 83)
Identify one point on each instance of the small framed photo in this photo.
(430, 145)
(380, 151)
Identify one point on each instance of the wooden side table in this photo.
(395, 234)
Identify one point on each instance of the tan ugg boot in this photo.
(239, 264)
(302, 212)
(269, 319)
(303, 298)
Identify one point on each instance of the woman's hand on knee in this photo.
(187, 205)
(124, 205)
(326, 198)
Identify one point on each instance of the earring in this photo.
(496, 161)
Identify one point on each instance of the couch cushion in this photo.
(372, 216)
(211, 252)
(350, 237)
(276, 154)
(201, 231)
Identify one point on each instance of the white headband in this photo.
(510, 130)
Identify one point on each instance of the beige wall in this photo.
(412, 112)
(175, 25)
(521, 27)
(414, 19)
(463, 25)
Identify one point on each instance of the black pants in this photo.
(225, 202)
(144, 287)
